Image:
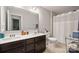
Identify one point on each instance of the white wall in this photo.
(45, 20)
(3, 19)
(51, 23)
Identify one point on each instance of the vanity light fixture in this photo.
(18, 6)
(34, 9)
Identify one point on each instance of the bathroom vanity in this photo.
(13, 21)
(26, 44)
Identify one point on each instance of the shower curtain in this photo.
(64, 25)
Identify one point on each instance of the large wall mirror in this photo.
(20, 19)
(14, 23)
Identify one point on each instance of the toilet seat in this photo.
(52, 39)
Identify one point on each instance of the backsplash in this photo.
(9, 33)
(18, 33)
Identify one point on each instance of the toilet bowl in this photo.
(50, 40)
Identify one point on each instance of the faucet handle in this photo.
(14, 35)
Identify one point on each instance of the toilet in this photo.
(50, 40)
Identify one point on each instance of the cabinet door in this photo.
(30, 48)
(40, 45)
(11, 45)
(16, 50)
(29, 45)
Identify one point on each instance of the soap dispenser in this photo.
(1, 35)
(22, 32)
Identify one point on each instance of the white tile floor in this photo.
(55, 48)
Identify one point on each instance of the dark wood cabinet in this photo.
(40, 44)
(16, 50)
(11, 45)
(31, 45)
(29, 48)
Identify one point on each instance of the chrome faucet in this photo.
(46, 30)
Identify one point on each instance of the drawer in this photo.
(30, 41)
(37, 39)
(11, 45)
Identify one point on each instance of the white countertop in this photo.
(7, 40)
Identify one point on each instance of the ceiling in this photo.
(61, 9)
